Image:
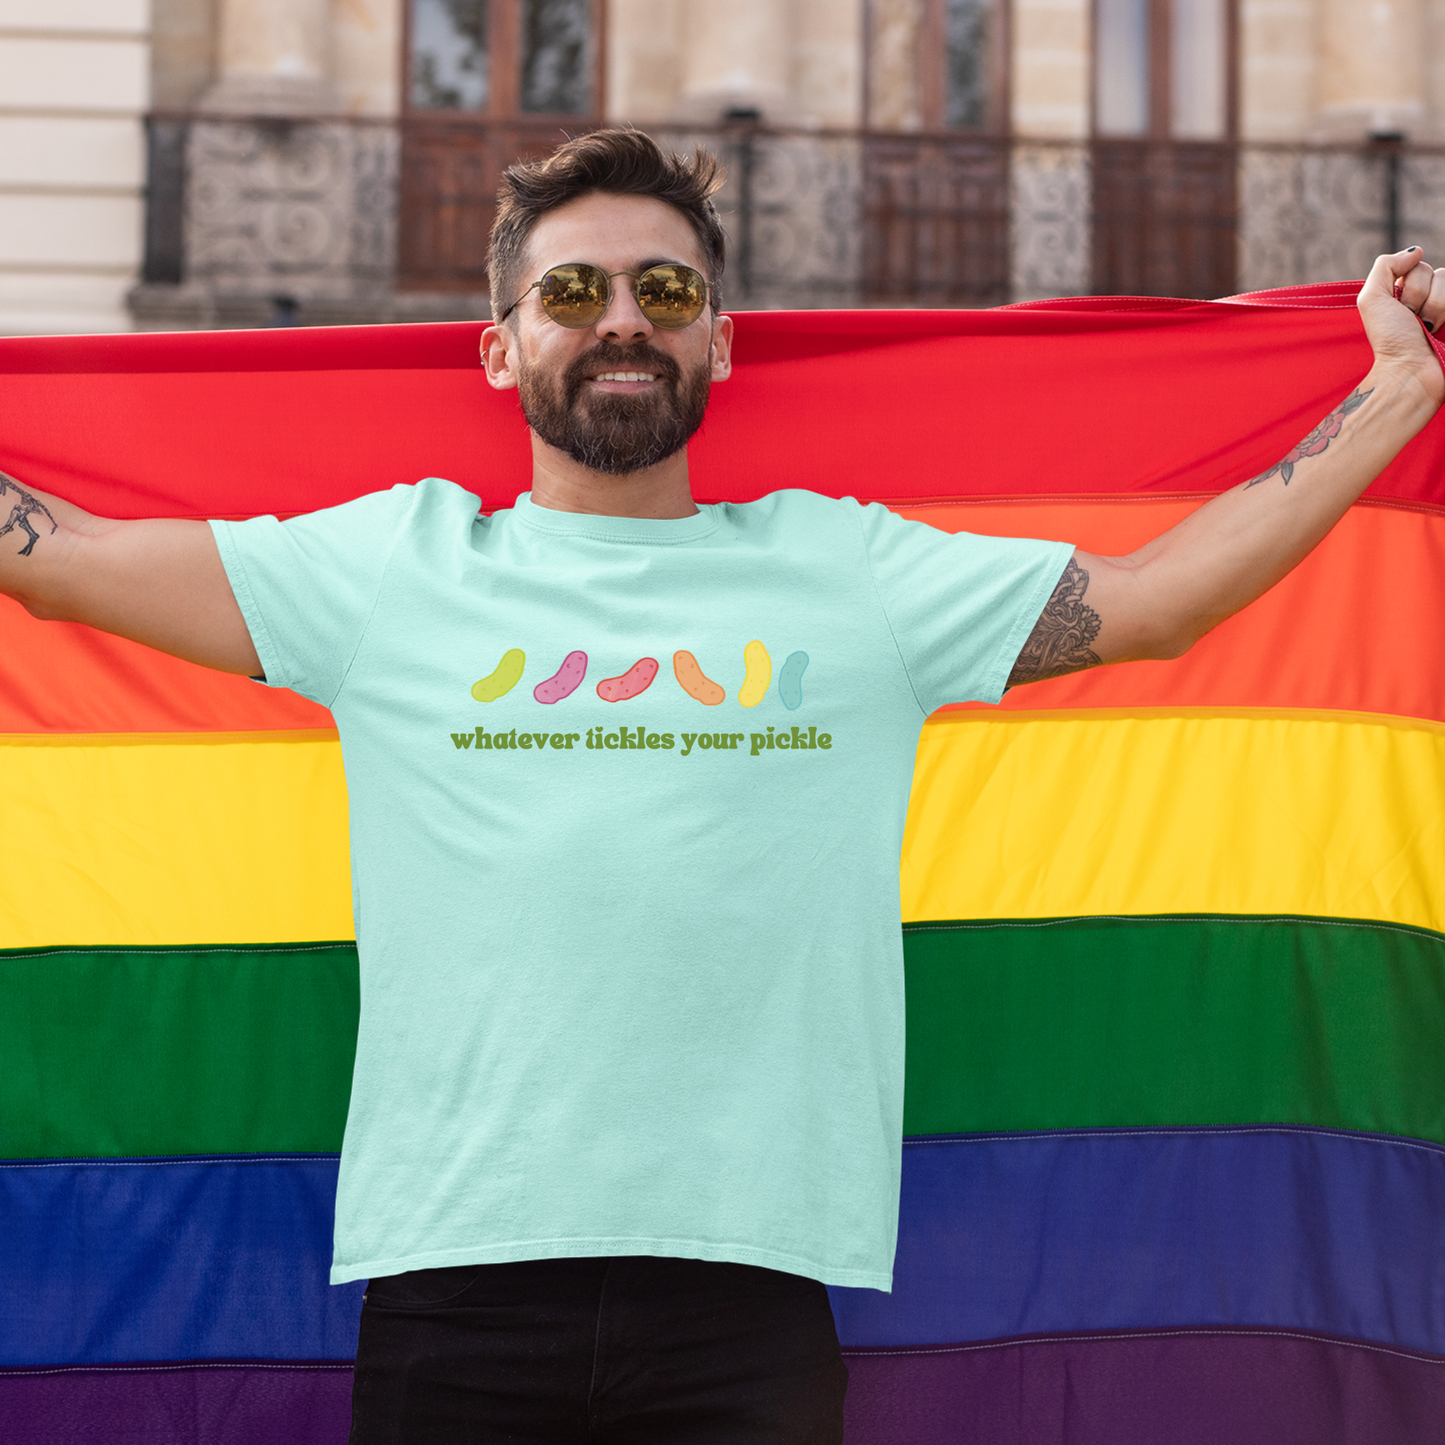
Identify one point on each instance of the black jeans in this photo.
(638, 1350)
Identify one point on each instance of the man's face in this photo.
(620, 395)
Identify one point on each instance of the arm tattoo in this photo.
(20, 514)
(1316, 441)
(1060, 640)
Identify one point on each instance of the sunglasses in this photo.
(577, 294)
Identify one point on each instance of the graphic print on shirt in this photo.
(790, 680)
(565, 681)
(503, 678)
(635, 681)
(759, 674)
(757, 677)
(694, 682)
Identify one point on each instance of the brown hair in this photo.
(616, 162)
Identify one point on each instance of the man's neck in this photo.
(660, 493)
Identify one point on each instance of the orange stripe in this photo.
(1355, 627)
(59, 677)
(1358, 626)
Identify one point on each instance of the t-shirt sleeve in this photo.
(307, 586)
(960, 606)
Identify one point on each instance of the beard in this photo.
(615, 432)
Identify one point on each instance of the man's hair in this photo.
(614, 162)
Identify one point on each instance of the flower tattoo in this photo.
(1316, 441)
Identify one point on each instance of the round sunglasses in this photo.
(576, 294)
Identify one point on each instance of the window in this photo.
(1164, 162)
(503, 57)
(488, 82)
(937, 65)
(1162, 68)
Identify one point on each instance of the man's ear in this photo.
(499, 357)
(720, 352)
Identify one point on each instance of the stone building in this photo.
(334, 160)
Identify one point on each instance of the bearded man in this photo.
(628, 1085)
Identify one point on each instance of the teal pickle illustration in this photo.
(790, 680)
(503, 678)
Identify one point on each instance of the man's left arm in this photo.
(1159, 601)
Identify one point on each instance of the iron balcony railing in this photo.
(352, 219)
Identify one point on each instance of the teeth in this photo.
(624, 376)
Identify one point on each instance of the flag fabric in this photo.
(1174, 1155)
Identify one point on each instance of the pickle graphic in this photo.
(790, 680)
(507, 675)
(693, 682)
(637, 679)
(565, 681)
(760, 674)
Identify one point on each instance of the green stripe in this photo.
(1079, 1022)
(1035, 1024)
(109, 1052)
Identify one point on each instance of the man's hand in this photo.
(158, 582)
(1157, 602)
(1396, 285)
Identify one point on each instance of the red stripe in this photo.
(1088, 398)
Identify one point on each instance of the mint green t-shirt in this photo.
(627, 800)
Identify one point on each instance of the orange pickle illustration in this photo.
(694, 682)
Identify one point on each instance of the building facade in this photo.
(335, 160)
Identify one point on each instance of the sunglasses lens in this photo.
(574, 295)
(671, 296)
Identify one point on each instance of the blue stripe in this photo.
(1006, 1235)
(110, 1261)
(128, 1260)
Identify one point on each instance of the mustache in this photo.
(609, 356)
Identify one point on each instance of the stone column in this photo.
(273, 58)
(738, 55)
(1372, 66)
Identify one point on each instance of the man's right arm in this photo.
(159, 582)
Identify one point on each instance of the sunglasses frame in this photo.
(607, 300)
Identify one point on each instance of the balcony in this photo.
(275, 220)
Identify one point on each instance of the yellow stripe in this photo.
(1034, 816)
(158, 842)
(1014, 816)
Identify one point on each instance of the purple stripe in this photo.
(244, 1403)
(1187, 1388)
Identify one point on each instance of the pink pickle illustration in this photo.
(690, 677)
(637, 679)
(565, 681)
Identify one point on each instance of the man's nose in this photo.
(623, 320)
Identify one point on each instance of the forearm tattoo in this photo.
(1060, 640)
(23, 510)
(1316, 442)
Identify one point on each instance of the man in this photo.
(627, 782)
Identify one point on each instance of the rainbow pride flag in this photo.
(1175, 932)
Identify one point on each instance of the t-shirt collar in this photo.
(656, 531)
